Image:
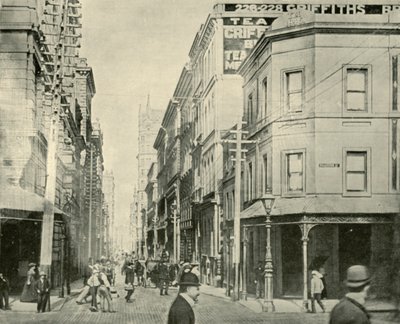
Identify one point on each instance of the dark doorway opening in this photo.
(292, 261)
(354, 247)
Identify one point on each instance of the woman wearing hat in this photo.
(351, 308)
(181, 311)
(29, 294)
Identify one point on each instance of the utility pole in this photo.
(90, 202)
(236, 220)
(239, 141)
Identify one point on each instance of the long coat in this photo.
(180, 312)
(348, 311)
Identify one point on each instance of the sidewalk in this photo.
(56, 302)
(294, 305)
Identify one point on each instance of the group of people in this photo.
(99, 280)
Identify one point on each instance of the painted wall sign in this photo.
(240, 36)
(340, 9)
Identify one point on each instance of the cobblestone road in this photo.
(149, 307)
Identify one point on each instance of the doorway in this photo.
(354, 246)
(292, 261)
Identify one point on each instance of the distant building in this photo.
(149, 121)
(109, 208)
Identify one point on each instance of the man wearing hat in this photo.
(350, 309)
(42, 287)
(181, 311)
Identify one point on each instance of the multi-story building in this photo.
(220, 46)
(173, 145)
(94, 185)
(321, 104)
(109, 207)
(149, 121)
(30, 32)
(85, 90)
(151, 217)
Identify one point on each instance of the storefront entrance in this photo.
(354, 246)
(292, 261)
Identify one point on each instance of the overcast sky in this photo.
(135, 47)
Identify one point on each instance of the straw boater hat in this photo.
(357, 276)
(189, 279)
(32, 264)
(42, 273)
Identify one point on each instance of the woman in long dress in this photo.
(29, 294)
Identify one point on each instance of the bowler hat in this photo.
(189, 279)
(357, 276)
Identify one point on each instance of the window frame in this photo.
(285, 86)
(285, 173)
(265, 96)
(368, 89)
(353, 193)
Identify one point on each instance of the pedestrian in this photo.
(29, 294)
(94, 283)
(139, 269)
(351, 309)
(4, 291)
(259, 281)
(181, 311)
(42, 288)
(317, 287)
(128, 269)
(163, 278)
(184, 266)
(324, 293)
(105, 294)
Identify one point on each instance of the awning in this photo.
(335, 204)
(16, 198)
(257, 209)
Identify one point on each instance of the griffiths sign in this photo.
(249, 21)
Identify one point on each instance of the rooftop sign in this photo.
(340, 9)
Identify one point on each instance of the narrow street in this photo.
(149, 307)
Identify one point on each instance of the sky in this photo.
(136, 48)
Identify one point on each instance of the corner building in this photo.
(321, 100)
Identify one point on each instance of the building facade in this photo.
(149, 121)
(219, 48)
(322, 176)
(35, 82)
(109, 209)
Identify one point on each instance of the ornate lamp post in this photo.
(268, 305)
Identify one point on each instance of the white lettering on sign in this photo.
(239, 38)
(243, 32)
(326, 8)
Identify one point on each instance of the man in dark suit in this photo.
(4, 290)
(42, 287)
(181, 311)
(351, 308)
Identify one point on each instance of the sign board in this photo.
(340, 9)
(329, 165)
(240, 36)
(241, 33)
